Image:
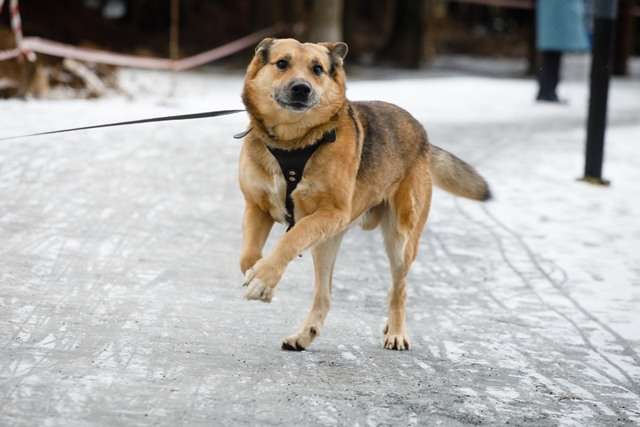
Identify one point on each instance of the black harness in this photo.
(292, 164)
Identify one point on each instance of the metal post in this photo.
(174, 43)
(604, 12)
(174, 32)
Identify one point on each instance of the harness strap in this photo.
(292, 164)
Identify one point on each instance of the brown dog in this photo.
(367, 161)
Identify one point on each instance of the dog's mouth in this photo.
(295, 105)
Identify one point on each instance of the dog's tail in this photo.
(456, 176)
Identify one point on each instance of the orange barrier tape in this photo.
(61, 50)
(227, 49)
(48, 47)
(9, 54)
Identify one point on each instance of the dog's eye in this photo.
(282, 64)
(317, 69)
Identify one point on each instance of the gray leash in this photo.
(134, 122)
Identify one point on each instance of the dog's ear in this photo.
(337, 52)
(262, 49)
(337, 49)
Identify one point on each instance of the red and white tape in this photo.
(48, 47)
(16, 26)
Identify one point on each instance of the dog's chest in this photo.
(276, 195)
(292, 164)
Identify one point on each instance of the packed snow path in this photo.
(120, 297)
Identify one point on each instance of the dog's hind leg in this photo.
(402, 224)
(324, 259)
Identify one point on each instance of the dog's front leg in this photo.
(256, 226)
(266, 273)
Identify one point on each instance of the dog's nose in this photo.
(300, 89)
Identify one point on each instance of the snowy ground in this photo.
(120, 298)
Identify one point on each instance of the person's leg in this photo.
(549, 75)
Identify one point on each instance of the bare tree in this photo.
(326, 21)
(407, 43)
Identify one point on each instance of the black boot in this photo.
(549, 76)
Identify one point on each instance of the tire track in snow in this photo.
(618, 338)
(596, 398)
(632, 386)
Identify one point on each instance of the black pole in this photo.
(604, 12)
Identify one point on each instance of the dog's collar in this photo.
(292, 164)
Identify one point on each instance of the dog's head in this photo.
(291, 83)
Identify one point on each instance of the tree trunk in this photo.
(532, 52)
(407, 44)
(326, 21)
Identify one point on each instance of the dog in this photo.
(320, 163)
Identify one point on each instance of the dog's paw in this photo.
(257, 290)
(261, 280)
(395, 341)
(300, 341)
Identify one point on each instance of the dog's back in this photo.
(394, 140)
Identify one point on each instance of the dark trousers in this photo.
(549, 75)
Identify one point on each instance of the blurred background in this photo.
(392, 33)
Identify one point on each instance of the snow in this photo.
(120, 299)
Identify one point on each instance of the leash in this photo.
(134, 122)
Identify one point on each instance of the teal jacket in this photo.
(561, 25)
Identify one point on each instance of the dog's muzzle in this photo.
(297, 95)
